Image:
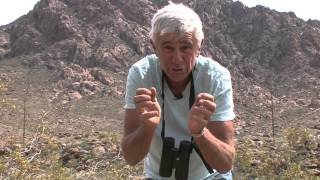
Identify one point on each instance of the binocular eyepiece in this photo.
(174, 158)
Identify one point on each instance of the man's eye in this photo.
(184, 48)
(168, 48)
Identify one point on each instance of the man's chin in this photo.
(178, 78)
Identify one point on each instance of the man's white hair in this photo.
(176, 18)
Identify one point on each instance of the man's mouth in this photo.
(177, 69)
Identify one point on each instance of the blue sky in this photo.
(305, 9)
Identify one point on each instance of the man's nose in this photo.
(178, 55)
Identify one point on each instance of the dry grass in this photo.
(284, 159)
(45, 155)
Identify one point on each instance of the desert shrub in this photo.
(300, 139)
(44, 156)
(38, 158)
(2, 87)
(5, 104)
(283, 160)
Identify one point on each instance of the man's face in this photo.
(177, 54)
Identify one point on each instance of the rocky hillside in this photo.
(271, 55)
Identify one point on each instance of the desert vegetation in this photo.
(45, 154)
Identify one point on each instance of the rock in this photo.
(86, 92)
(237, 132)
(317, 126)
(83, 151)
(255, 162)
(76, 73)
(316, 172)
(4, 45)
(98, 151)
(81, 167)
(5, 150)
(101, 76)
(74, 150)
(253, 123)
(75, 95)
(72, 163)
(90, 85)
(4, 40)
(266, 135)
(77, 152)
(79, 81)
(78, 136)
(259, 143)
(311, 166)
(26, 39)
(301, 102)
(315, 103)
(75, 86)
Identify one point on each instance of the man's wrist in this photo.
(199, 134)
(148, 126)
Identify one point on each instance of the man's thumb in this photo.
(153, 94)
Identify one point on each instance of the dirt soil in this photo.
(36, 88)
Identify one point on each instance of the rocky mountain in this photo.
(271, 55)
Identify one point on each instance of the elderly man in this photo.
(178, 104)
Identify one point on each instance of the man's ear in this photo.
(199, 50)
(200, 45)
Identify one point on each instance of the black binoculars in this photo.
(174, 158)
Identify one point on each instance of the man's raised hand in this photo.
(200, 113)
(147, 106)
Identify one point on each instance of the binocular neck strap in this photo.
(191, 101)
(210, 170)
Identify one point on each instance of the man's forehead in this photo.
(173, 37)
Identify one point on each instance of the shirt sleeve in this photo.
(223, 99)
(131, 87)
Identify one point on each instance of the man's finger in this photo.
(205, 96)
(209, 105)
(141, 98)
(145, 104)
(202, 112)
(150, 114)
(141, 91)
(153, 94)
